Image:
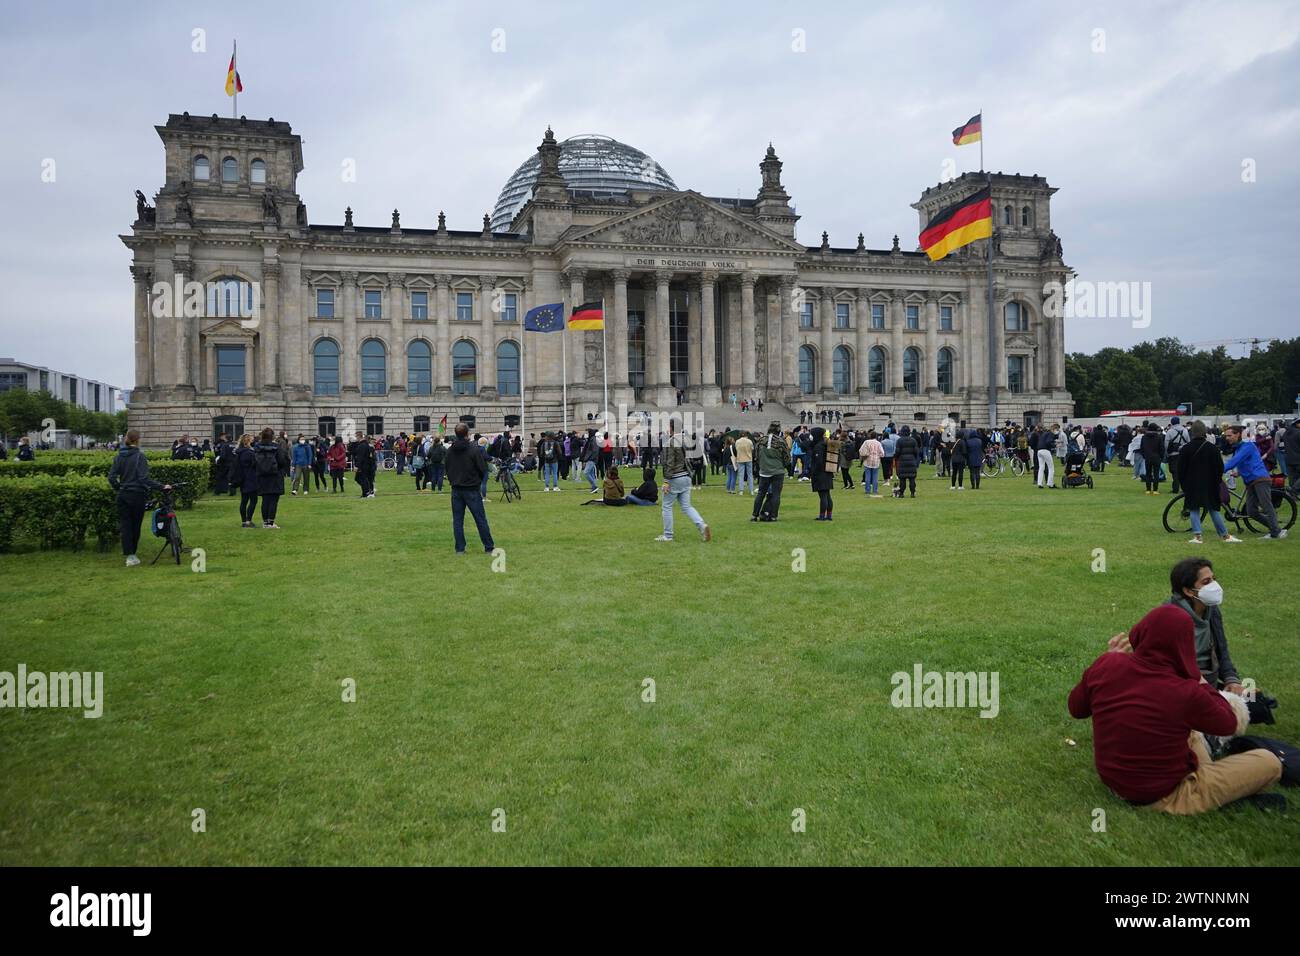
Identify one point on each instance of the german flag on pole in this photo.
(969, 133)
(588, 317)
(959, 225)
(233, 84)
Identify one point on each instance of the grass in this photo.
(522, 690)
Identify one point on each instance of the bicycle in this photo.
(166, 525)
(1177, 520)
(992, 465)
(510, 489)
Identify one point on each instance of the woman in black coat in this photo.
(907, 457)
(271, 464)
(244, 477)
(1200, 469)
(1152, 450)
(974, 447)
(822, 480)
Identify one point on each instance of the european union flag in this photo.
(545, 318)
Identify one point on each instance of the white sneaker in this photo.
(1196, 541)
(132, 561)
(1232, 539)
(663, 538)
(1281, 534)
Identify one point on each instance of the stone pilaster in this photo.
(709, 393)
(862, 343)
(930, 380)
(442, 340)
(789, 341)
(826, 344)
(897, 319)
(749, 355)
(487, 366)
(186, 327)
(618, 379)
(349, 367)
(273, 346)
(144, 332)
(397, 334)
(575, 342)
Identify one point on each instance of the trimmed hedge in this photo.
(57, 510)
(197, 474)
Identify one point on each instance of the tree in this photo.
(1125, 381)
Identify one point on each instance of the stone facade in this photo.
(712, 297)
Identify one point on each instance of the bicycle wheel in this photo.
(1176, 520)
(1283, 507)
(1017, 467)
(174, 536)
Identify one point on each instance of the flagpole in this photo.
(993, 319)
(564, 373)
(981, 139)
(523, 364)
(604, 365)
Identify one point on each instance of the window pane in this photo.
(509, 307)
(1016, 373)
(230, 369)
(876, 370)
(374, 379)
(324, 303)
(1012, 313)
(807, 370)
(878, 316)
(913, 316)
(842, 370)
(945, 371)
(325, 364)
(419, 369)
(806, 315)
(258, 171)
(841, 315)
(636, 348)
(373, 307)
(464, 369)
(945, 318)
(229, 170)
(911, 371)
(465, 307)
(201, 169)
(419, 305)
(508, 369)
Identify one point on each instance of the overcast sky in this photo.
(1145, 139)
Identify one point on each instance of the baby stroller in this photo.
(1074, 476)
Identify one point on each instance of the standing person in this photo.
(590, 453)
(1099, 442)
(695, 459)
(1200, 471)
(870, 454)
(419, 464)
(773, 460)
(823, 480)
(973, 446)
(270, 462)
(848, 455)
(319, 450)
(1246, 462)
(677, 487)
(1043, 443)
(1152, 451)
(466, 471)
(1123, 438)
(548, 455)
(888, 447)
(436, 459)
(363, 465)
(729, 462)
(129, 477)
(907, 455)
(745, 463)
(1176, 437)
(1291, 455)
(957, 461)
(302, 458)
(245, 479)
(337, 457)
(225, 456)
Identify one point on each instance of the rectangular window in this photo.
(45, 381)
(806, 315)
(878, 316)
(230, 369)
(464, 306)
(509, 307)
(841, 315)
(1015, 373)
(913, 316)
(324, 303)
(945, 318)
(13, 381)
(374, 307)
(419, 305)
(96, 390)
(72, 390)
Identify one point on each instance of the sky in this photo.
(1171, 130)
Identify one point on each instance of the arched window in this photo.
(911, 371)
(876, 379)
(945, 370)
(1026, 216)
(841, 370)
(1015, 318)
(807, 370)
(257, 172)
(508, 369)
(325, 367)
(419, 368)
(230, 297)
(464, 368)
(1006, 216)
(201, 171)
(232, 426)
(374, 372)
(229, 170)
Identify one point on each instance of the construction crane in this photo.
(1253, 344)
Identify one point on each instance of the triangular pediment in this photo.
(230, 328)
(686, 220)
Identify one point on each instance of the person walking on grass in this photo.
(823, 477)
(318, 463)
(363, 465)
(270, 462)
(301, 466)
(1152, 450)
(848, 455)
(436, 463)
(957, 461)
(888, 448)
(973, 448)
(773, 461)
(677, 486)
(337, 457)
(129, 477)
(1043, 444)
(870, 454)
(1200, 469)
(1246, 461)
(245, 479)
(466, 469)
(745, 463)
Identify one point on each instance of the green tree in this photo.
(1125, 381)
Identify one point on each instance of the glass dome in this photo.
(599, 165)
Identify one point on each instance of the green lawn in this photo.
(522, 690)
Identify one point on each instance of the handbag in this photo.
(417, 462)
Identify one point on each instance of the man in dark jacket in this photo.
(1291, 455)
(363, 465)
(1099, 441)
(129, 477)
(466, 471)
(907, 457)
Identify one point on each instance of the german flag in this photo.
(590, 316)
(959, 225)
(970, 133)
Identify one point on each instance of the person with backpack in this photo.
(824, 464)
(418, 462)
(1151, 448)
(436, 458)
(129, 477)
(677, 487)
(271, 461)
(548, 454)
(1176, 438)
(772, 461)
(973, 447)
(337, 456)
(363, 465)
(245, 479)
(225, 462)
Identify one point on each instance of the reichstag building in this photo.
(249, 314)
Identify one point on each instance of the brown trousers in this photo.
(1216, 783)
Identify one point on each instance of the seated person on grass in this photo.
(646, 493)
(1150, 709)
(611, 490)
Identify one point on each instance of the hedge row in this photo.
(195, 474)
(57, 510)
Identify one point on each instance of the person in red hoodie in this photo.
(1150, 707)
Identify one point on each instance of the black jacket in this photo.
(1291, 439)
(129, 473)
(272, 484)
(363, 456)
(1200, 469)
(1152, 447)
(907, 456)
(465, 464)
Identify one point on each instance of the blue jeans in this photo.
(483, 487)
(1215, 516)
(731, 477)
(870, 481)
(679, 490)
(634, 500)
(745, 474)
(462, 498)
(435, 476)
(589, 472)
(551, 474)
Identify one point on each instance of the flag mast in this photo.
(523, 364)
(604, 366)
(564, 375)
(992, 323)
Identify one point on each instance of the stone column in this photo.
(295, 354)
(575, 342)
(735, 339)
(269, 323)
(708, 392)
(862, 343)
(210, 366)
(896, 322)
(693, 380)
(144, 376)
(1000, 339)
(749, 357)
(186, 325)
(487, 372)
(349, 371)
(442, 338)
(789, 341)
(617, 330)
(931, 379)
(825, 367)
(397, 334)
(251, 384)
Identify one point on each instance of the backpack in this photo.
(548, 450)
(1175, 443)
(266, 461)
